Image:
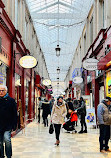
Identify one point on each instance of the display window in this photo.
(27, 100)
(108, 83)
(3, 69)
(17, 87)
(18, 100)
(37, 95)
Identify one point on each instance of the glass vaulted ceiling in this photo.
(59, 22)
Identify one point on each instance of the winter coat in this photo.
(103, 114)
(46, 109)
(8, 114)
(73, 117)
(70, 106)
(58, 113)
(82, 109)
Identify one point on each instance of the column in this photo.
(95, 92)
(12, 72)
(23, 92)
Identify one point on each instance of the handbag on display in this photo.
(51, 128)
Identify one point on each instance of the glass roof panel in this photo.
(59, 22)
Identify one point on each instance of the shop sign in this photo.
(76, 72)
(90, 117)
(46, 82)
(90, 64)
(77, 80)
(28, 61)
(108, 84)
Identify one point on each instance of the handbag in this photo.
(51, 128)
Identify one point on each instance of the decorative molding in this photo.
(5, 27)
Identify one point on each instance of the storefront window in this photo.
(3, 69)
(18, 100)
(108, 84)
(17, 86)
(27, 100)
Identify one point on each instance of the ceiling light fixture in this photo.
(58, 50)
(58, 70)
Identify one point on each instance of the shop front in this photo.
(38, 93)
(104, 63)
(94, 79)
(20, 82)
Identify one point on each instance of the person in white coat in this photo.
(58, 114)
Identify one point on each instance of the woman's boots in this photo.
(57, 142)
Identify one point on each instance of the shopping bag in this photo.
(51, 128)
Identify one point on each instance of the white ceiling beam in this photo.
(53, 4)
(54, 16)
(48, 6)
(71, 7)
(67, 5)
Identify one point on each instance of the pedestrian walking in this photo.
(46, 112)
(39, 108)
(51, 103)
(59, 111)
(82, 112)
(104, 121)
(69, 107)
(8, 121)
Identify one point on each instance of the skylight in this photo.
(59, 21)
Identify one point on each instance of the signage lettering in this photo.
(76, 72)
(90, 64)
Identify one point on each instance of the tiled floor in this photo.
(38, 143)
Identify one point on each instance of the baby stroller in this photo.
(69, 125)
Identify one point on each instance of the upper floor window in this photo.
(102, 12)
(91, 30)
(84, 43)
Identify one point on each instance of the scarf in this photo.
(59, 103)
(4, 96)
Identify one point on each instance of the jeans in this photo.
(57, 130)
(5, 137)
(104, 136)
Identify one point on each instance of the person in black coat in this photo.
(46, 112)
(8, 121)
(82, 112)
(69, 107)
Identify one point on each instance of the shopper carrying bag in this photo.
(58, 114)
(51, 128)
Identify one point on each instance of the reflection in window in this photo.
(3, 74)
(17, 84)
(27, 100)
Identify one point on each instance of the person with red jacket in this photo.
(73, 118)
